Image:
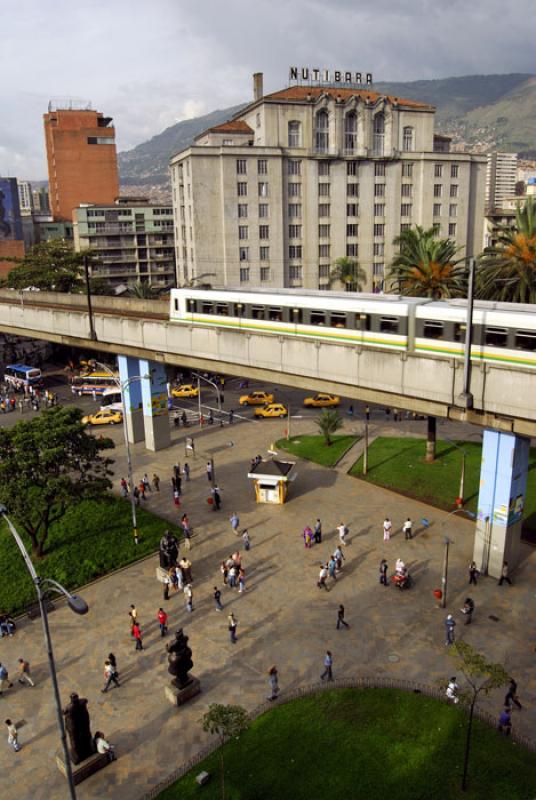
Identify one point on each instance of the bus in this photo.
(93, 383)
(111, 398)
(20, 375)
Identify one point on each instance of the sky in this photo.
(152, 63)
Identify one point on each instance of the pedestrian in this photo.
(350, 410)
(340, 618)
(504, 574)
(383, 571)
(156, 482)
(273, 680)
(124, 488)
(24, 672)
(217, 599)
(176, 497)
(328, 667)
(136, 494)
(387, 527)
(231, 416)
(468, 608)
(176, 471)
(103, 747)
(452, 691)
(307, 537)
(173, 579)
(511, 696)
(209, 471)
(136, 632)
(179, 578)
(113, 661)
(109, 676)
(186, 567)
(232, 575)
(166, 581)
(186, 471)
(246, 539)
(216, 496)
(473, 573)
(343, 530)
(146, 483)
(224, 572)
(318, 531)
(133, 614)
(338, 555)
(162, 621)
(505, 722)
(406, 528)
(241, 580)
(189, 594)
(322, 577)
(331, 568)
(450, 624)
(12, 735)
(235, 522)
(186, 530)
(232, 623)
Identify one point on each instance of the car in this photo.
(185, 390)
(256, 399)
(271, 410)
(106, 416)
(322, 400)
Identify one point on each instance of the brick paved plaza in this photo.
(283, 617)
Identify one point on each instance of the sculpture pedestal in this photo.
(85, 768)
(177, 697)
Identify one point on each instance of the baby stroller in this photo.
(402, 580)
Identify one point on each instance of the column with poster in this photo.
(155, 405)
(129, 376)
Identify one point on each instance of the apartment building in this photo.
(501, 178)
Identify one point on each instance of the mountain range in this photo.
(481, 112)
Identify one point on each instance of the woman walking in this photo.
(273, 680)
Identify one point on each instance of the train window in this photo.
(176, 304)
(222, 309)
(207, 308)
(433, 329)
(389, 324)
(459, 331)
(257, 312)
(497, 337)
(275, 314)
(338, 320)
(318, 318)
(191, 306)
(526, 340)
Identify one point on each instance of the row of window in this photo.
(242, 189)
(242, 166)
(352, 169)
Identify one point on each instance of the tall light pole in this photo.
(448, 542)
(43, 586)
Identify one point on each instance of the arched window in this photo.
(294, 134)
(379, 134)
(322, 131)
(408, 141)
(350, 132)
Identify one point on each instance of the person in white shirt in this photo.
(452, 690)
(406, 527)
(387, 526)
(342, 532)
(12, 735)
(400, 567)
(104, 747)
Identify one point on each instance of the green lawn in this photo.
(399, 464)
(92, 539)
(373, 743)
(315, 449)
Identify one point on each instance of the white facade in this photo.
(308, 175)
(501, 177)
(25, 197)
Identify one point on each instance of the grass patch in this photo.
(314, 448)
(92, 539)
(372, 743)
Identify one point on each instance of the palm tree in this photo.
(507, 270)
(143, 291)
(329, 421)
(348, 272)
(426, 266)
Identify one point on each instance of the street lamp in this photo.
(44, 586)
(212, 383)
(448, 542)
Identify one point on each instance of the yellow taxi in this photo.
(322, 400)
(256, 399)
(185, 390)
(271, 410)
(106, 416)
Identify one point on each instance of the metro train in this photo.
(504, 334)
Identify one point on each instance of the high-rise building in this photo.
(310, 174)
(82, 159)
(11, 234)
(501, 177)
(25, 197)
(41, 204)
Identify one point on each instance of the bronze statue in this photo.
(179, 660)
(169, 550)
(77, 724)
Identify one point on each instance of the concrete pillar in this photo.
(130, 368)
(155, 405)
(501, 500)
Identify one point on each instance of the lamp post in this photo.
(43, 586)
(448, 542)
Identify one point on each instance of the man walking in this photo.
(340, 618)
(217, 599)
(4, 679)
(338, 555)
(511, 696)
(109, 676)
(209, 471)
(328, 667)
(235, 522)
(318, 532)
(387, 527)
(232, 622)
(156, 482)
(322, 577)
(450, 624)
(504, 574)
(24, 673)
(406, 527)
(12, 735)
(343, 530)
(162, 621)
(383, 571)
(136, 632)
(473, 573)
(468, 608)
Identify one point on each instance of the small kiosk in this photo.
(271, 480)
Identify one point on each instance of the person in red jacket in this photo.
(162, 621)
(136, 632)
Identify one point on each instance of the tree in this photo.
(329, 421)
(426, 266)
(143, 291)
(47, 464)
(482, 676)
(507, 270)
(52, 265)
(225, 722)
(348, 272)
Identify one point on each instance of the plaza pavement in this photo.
(283, 617)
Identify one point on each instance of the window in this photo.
(350, 132)
(294, 210)
(322, 131)
(352, 190)
(244, 253)
(242, 189)
(244, 274)
(227, 142)
(405, 227)
(379, 248)
(379, 229)
(438, 190)
(242, 231)
(265, 275)
(100, 140)
(241, 166)
(406, 190)
(406, 210)
(453, 210)
(379, 209)
(323, 231)
(294, 167)
(263, 189)
(295, 273)
(496, 337)
(323, 189)
(437, 210)
(407, 170)
(433, 329)
(438, 170)
(378, 269)
(378, 135)
(295, 251)
(454, 190)
(389, 324)
(294, 134)
(379, 190)
(323, 169)
(525, 340)
(294, 231)
(324, 210)
(263, 210)
(294, 190)
(264, 253)
(352, 250)
(262, 166)
(452, 229)
(318, 318)
(379, 169)
(352, 230)
(454, 170)
(352, 209)
(337, 319)
(323, 271)
(352, 168)
(324, 251)
(408, 142)
(264, 231)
